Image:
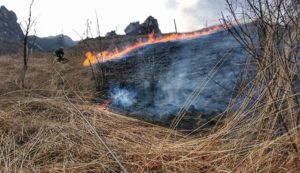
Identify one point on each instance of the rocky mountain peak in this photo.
(150, 25)
(10, 30)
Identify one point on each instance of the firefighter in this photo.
(60, 54)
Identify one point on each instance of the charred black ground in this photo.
(154, 81)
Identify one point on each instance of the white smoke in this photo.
(197, 14)
(123, 97)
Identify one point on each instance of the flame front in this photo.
(92, 58)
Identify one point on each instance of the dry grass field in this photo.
(52, 126)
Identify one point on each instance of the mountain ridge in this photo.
(11, 36)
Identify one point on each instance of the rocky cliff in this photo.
(150, 25)
(10, 32)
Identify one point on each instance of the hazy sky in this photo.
(67, 16)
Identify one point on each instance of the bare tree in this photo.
(88, 31)
(61, 40)
(101, 70)
(97, 68)
(28, 26)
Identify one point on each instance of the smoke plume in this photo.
(198, 13)
(122, 97)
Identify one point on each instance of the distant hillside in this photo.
(51, 43)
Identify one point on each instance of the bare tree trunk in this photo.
(25, 45)
(102, 82)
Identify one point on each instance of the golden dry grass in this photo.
(42, 130)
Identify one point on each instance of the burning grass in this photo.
(103, 56)
(43, 129)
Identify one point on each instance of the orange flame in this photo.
(105, 105)
(107, 55)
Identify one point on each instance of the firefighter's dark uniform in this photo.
(60, 54)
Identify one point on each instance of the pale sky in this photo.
(67, 16)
